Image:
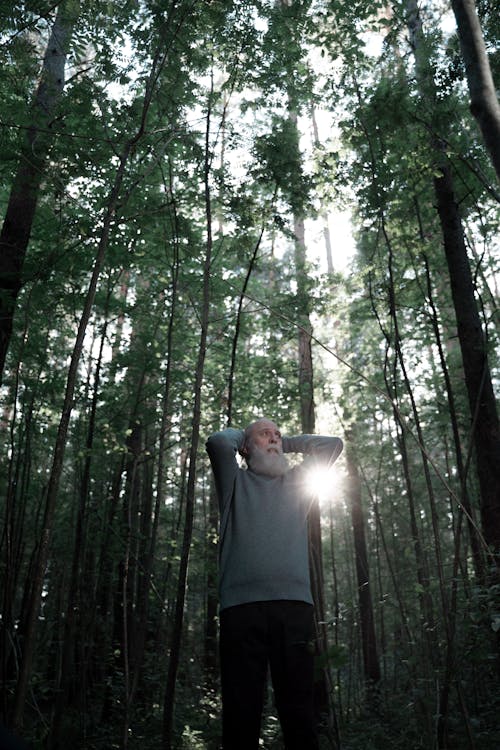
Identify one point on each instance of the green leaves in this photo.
(279, 163)
(231, 98)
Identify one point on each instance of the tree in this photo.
(118, 249)
(485, 427)
(35, 149)
(60, 444)
(368, 639)
(174, 652)
(484, 102)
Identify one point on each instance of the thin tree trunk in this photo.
(485, 428)
(163, 632)
(160, 488)
(425, 597)
(100, 643)
(324, 687)
(306, 387)
(16, 229)
(127, 595)
(336, 611)
(149, 531)
(368, 639)
(62, 433)
(416, 418)
(322, 213)
(137, 524)
(175, 644)
(448, 623)
(57, 463)
(11, 542)
(234, 347)
(68, 674)
(211, 555)
(450, 661)
(477, 555)
(484, 103)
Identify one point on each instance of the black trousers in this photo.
(254, 636)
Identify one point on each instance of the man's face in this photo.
(264, 449)
(266, 436)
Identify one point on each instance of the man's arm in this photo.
(322, 449)
(222, 448)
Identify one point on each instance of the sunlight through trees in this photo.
(212, 212)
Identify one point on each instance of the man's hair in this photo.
(248, 434)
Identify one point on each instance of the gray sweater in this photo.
(263, 528)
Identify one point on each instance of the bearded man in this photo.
(266, 606)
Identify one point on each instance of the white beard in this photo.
(270, 464)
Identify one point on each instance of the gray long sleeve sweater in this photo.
(263, 528)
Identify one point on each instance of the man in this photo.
(266, 612)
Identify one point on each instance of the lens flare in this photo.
(323, 483)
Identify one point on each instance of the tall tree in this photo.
(118, 588)
(485, 427)
(484, 102)
(60, 444)
(35, 149)
(296, 193)
(174, 651)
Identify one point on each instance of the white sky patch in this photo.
(338, 220)
(373, 43)
(341, 238)
(448, 23)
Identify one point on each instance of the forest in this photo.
(218, 210)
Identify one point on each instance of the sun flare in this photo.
(323, 483)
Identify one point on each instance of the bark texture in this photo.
(483, 98)
(484, 424)
(21, 207)
(485, 430)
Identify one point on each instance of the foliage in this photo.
(222, 154)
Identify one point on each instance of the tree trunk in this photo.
(16, 229)
(107, 605)
(466, 506)
(485, 428)
(237, 328)
(324, 686)
(427, 618)
(210, 635)
(62, 433)
(165, 423)
(368, 639)
(174, 656)
(68, 674)
(129, 612)
(483, 98)
(57, 463)
(12, 535)
(322, 213)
